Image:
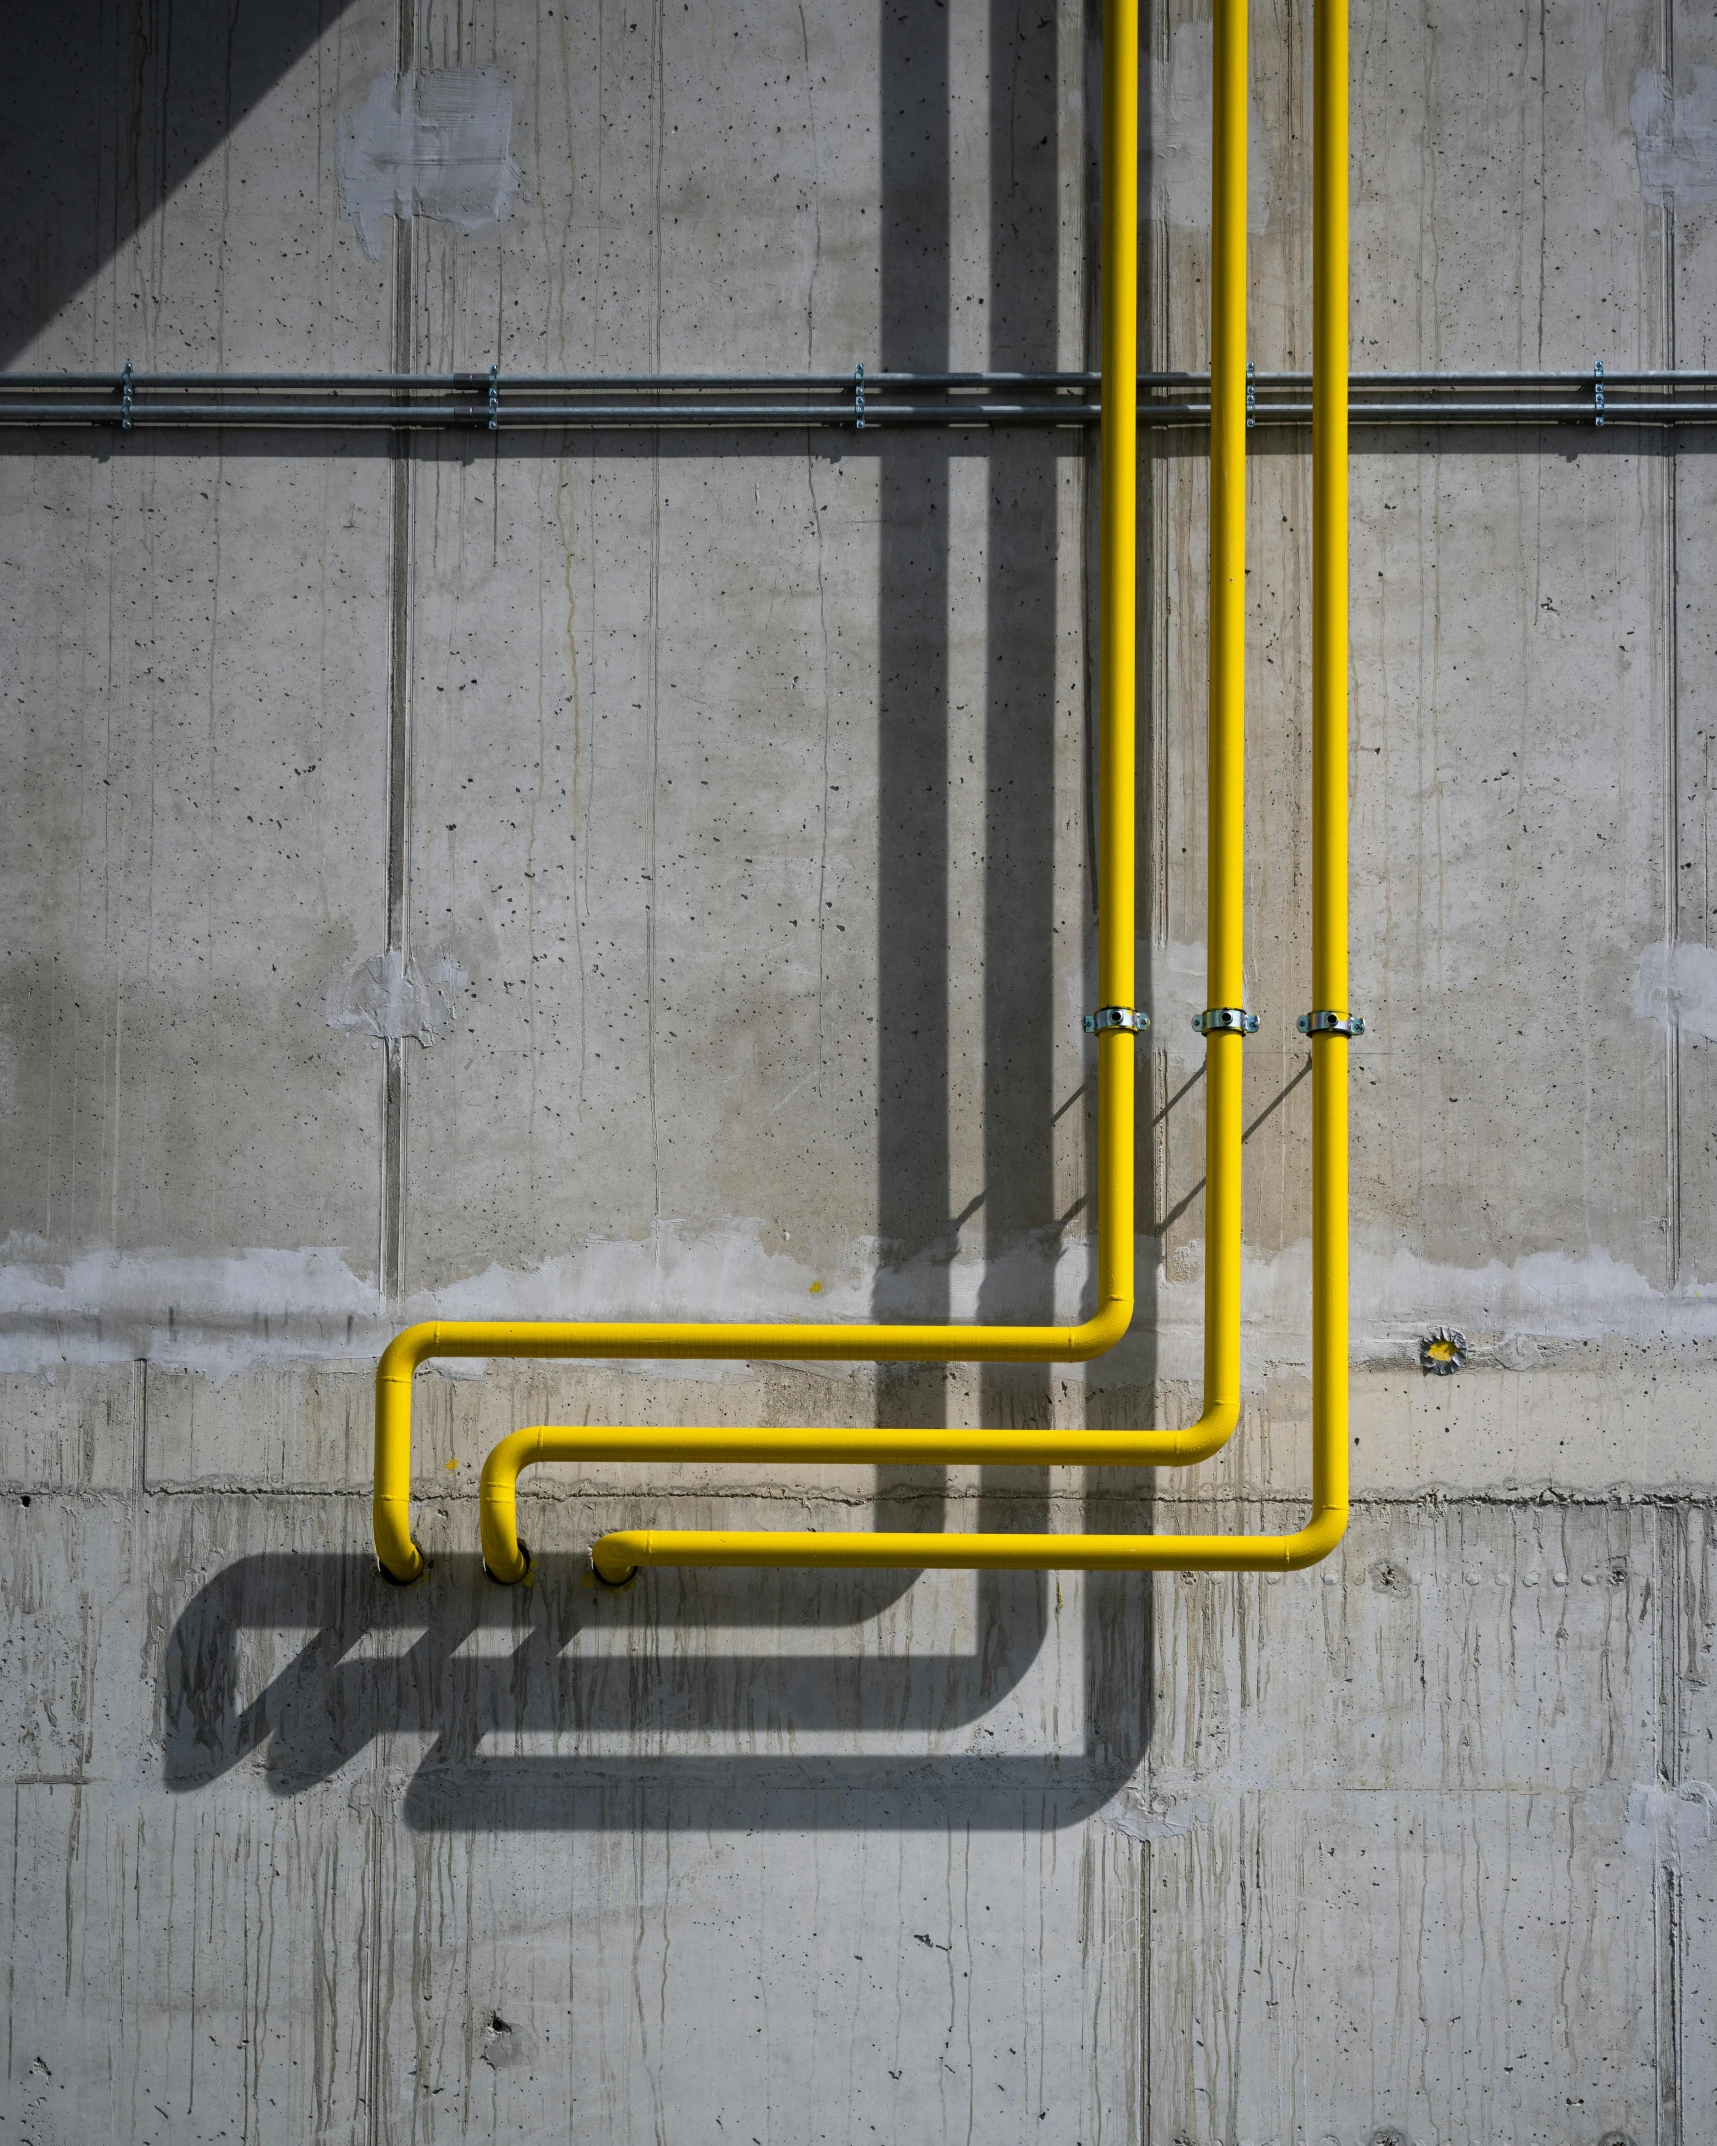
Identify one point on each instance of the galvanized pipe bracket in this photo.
(1325, 1023)
(1225, 1021)
(1127, 1017)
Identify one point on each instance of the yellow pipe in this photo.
(1225, 894)
(1329, 753)
(1117, 845)
(616, 1556)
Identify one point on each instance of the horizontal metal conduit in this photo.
(419, 402)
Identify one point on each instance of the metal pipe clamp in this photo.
(1325, 1023)
(1225, 1020)
(1127, 1017)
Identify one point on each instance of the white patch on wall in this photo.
(1173, 979)
(1182, 101)
(1669, 1826)
(393, 997)
(1142, 1815)
(1676, 137)
(429, 144)
(220, 1312)
(1677, 984)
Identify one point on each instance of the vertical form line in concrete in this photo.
(653, 637)
(1672, 689)
(1667, 1528)
(392, 1259)
(392, 1262)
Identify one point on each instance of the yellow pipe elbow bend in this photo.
(504, 1556)
(398, 1554)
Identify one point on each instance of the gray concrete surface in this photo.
(653, 876)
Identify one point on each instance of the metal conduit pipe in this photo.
(619, 1554)
(1115, 1026)
(1290, 417)
(111, 384)
(460, 402)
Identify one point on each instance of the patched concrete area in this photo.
(649, 875)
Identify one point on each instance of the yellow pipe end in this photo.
(397, 1555)
(615, 1558)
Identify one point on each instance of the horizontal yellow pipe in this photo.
(983, 1553)
(1116, 982)
(402, 1560)
(618, 1555)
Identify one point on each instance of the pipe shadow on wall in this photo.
(160, 103)
(553, 1682)
(577, 1663)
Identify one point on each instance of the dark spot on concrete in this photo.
(503, 2044)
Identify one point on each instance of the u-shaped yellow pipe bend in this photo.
(1117, 871)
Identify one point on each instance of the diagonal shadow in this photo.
(111, 107)
(579, 1663)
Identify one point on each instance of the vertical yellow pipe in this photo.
(1329, 757)
(400, 1556)
(1226, 887)
(620, 1553)
(1118, 584)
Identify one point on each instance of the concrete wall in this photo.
(726, 805)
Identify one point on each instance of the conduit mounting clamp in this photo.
(1128, 1017)
(1325, 1023)
(494, 398)
(858, 398)
(125, 398)
(1598, 394)
(1251, 395)
(1225, 1021)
